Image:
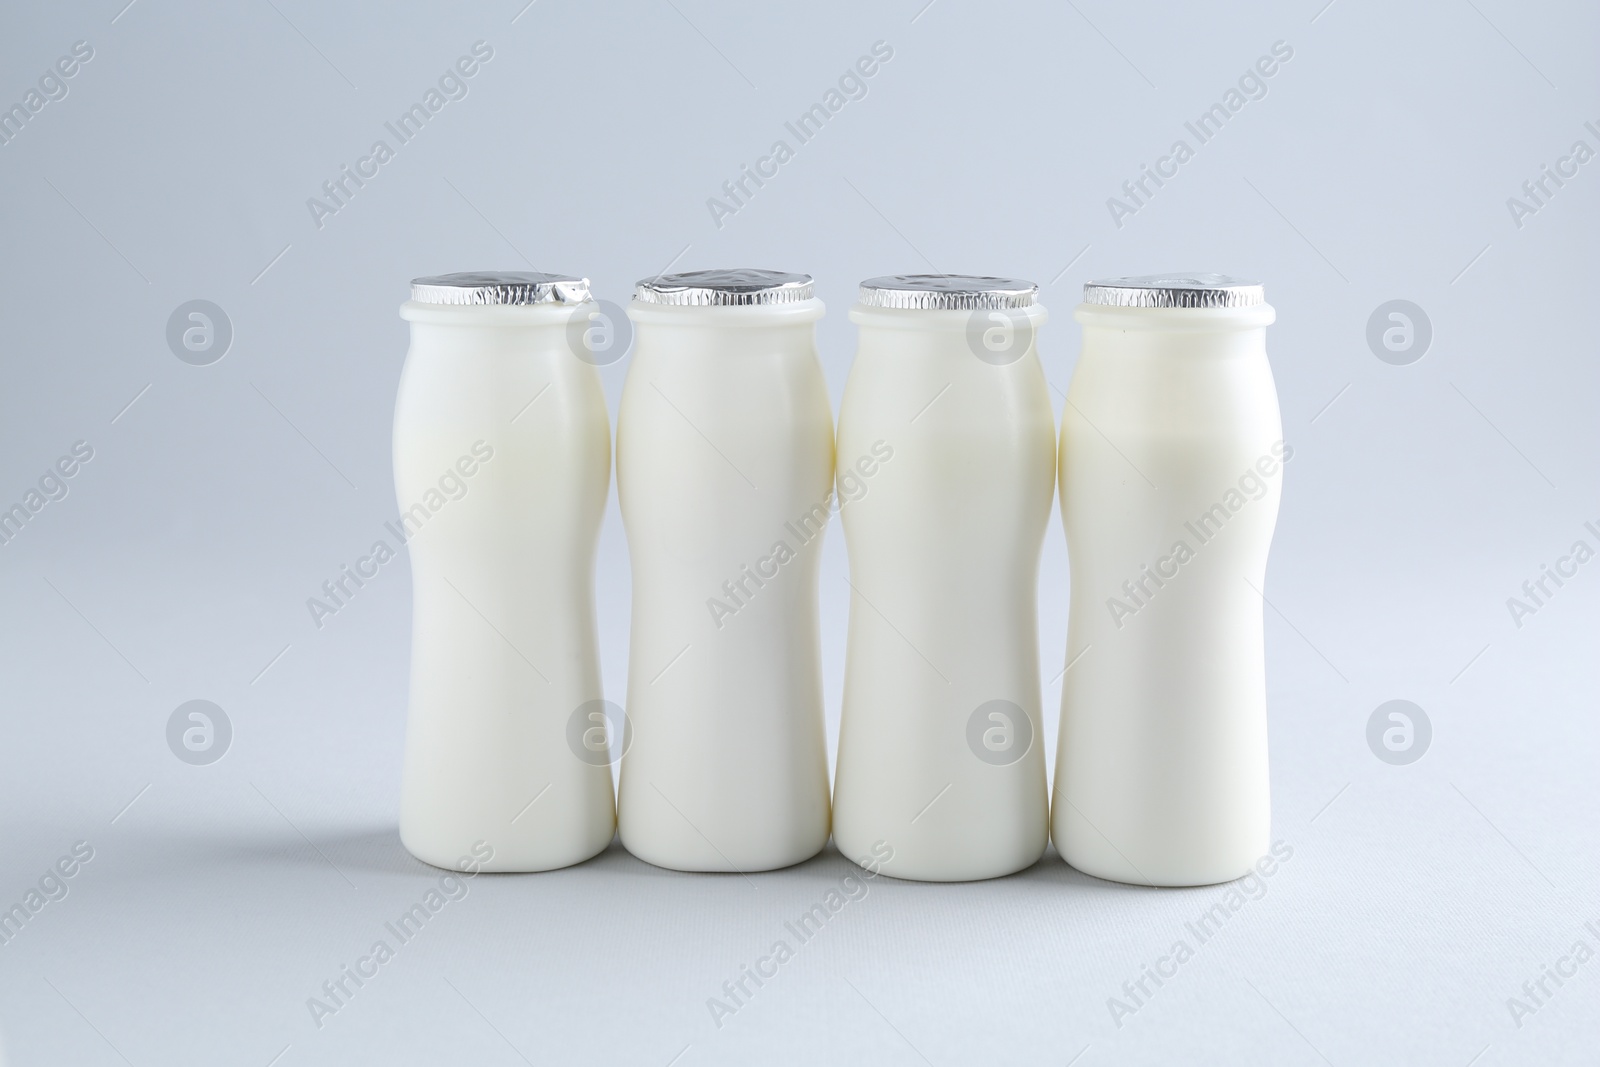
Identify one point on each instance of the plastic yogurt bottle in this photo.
(724, 476)
(502, 462)
(946, 478)
(1171, 471)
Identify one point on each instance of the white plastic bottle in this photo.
(946, 460)
(502, 459)
(1171, 471)
(724, 475)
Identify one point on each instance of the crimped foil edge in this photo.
(739, 287)
(929, 300)
(1224, 293)
(555, 289)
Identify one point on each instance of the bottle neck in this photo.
(496, 315)
(1175, 320)
(760, 316)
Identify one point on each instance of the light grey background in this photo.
(1419, 898)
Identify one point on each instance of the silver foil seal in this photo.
(500, 287)
(1174, 291)
(947, 292)
(740, 287)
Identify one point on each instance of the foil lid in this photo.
(947, 292)
(500, 287)
(739, 287)
(1174, 291)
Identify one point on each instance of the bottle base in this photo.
(503, 861)
(1122, 871)
(947, 875)
(720, 864)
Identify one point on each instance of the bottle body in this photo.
(1170, 473)
(502, 464)
(724, 471)
(946, 475)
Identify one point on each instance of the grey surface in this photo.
(1422, 494)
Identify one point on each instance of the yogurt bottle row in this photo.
(943, 472)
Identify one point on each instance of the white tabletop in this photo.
(1426, 911)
